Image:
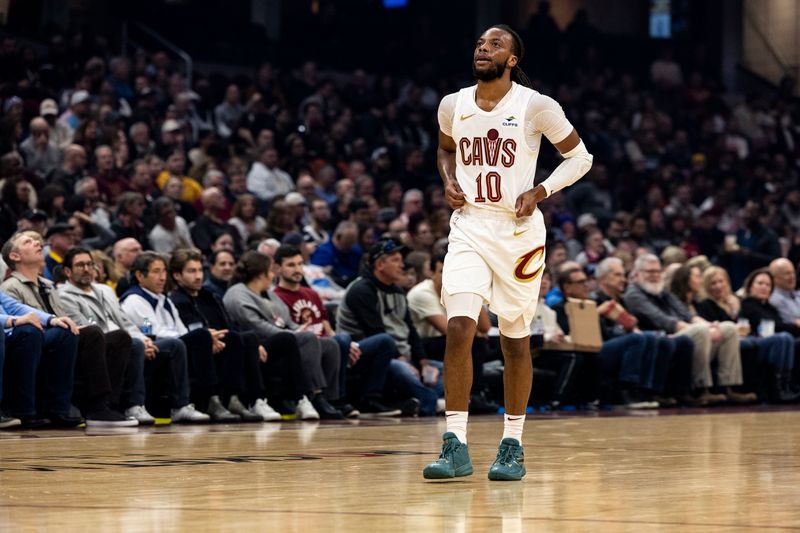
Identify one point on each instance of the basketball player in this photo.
(489, 140)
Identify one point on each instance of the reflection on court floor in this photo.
(706, 472)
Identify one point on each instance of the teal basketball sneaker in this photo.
(509, 465)
(454, 460)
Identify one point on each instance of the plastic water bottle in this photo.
(147, 328)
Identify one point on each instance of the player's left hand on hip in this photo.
(526, 203)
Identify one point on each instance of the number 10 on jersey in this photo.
(493, 193)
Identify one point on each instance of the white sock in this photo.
(457, 423)
(512, 426)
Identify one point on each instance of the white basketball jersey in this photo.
(494, 164)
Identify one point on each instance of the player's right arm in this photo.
(446, 161)
(446, 154)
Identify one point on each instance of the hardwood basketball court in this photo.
(734, 470)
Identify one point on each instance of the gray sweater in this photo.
(253, 312)
(655, 311)
(100, 305)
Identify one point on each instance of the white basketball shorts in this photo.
(497, 256)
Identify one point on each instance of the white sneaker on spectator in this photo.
(9, 421)
(306, 411)
(140, 413)
(188, 413)
(261, 407)
(236, 407)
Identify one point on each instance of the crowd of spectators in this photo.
(258, 245)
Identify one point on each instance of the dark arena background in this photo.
(197, 197)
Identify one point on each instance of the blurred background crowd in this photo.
(120, 154)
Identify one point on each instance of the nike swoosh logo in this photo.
(517, 232)
(465, 117)
(512, 419)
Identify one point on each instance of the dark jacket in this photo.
(205, 309)
(216, 286)
(370, 307)
(655, 312)
(711, 311)
(755, 311)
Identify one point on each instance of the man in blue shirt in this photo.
(37, 343)
(785, 297)
(341, 255)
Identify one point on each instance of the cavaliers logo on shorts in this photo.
(523, 272)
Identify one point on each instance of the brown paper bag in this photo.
(584, 327)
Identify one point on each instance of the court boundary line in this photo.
(395, 514)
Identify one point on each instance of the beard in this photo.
(493, 72)
(83, 282)
(293, 279)
(652, 288)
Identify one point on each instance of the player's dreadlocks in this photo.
(517, 73)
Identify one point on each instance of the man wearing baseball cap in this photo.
(172, 138)
(79, 107)
(374, 304)
(60, 133)
(61, 238)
